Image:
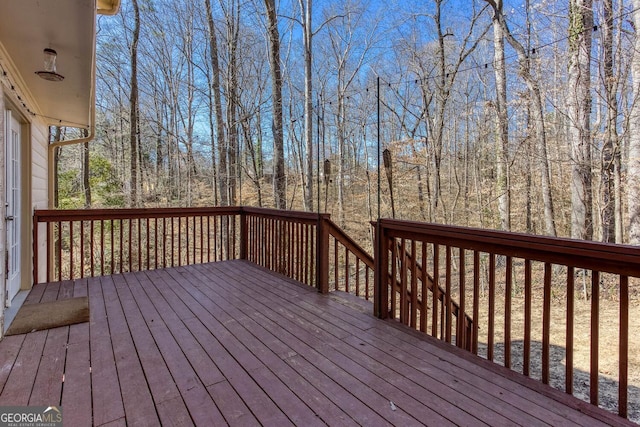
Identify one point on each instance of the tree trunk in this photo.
(133, 101)
(233, 18)
(610, 147)
(305, 6)
(57, 152)
(538, 127)
(86, 184)
(633, 168)
(502, 129)
(579, 111)
(279, 178)
(217, 101)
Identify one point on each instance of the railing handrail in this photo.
(299, 216)
(606, 257)
(340, 235)
(56, 215)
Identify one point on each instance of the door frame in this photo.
(24, 231)
(12, 206)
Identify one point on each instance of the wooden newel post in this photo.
(35, 249)
(244, 235)
(381, 277)
(322, 254)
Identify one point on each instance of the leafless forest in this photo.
(511, 115)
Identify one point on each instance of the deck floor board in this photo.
(232, 343)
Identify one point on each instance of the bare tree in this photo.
(538, 116)
(633, 168)
(502, 126)
(133, 100)
(279, 178)
(579, 112)
(86, 183)
(217, 102)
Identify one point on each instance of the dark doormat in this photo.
(47, 315)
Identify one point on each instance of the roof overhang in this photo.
(27, 27)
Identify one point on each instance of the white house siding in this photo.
(39, 187)
(3, 134)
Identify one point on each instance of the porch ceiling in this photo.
(67, 26)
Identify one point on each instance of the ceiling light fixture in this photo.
(49, 72)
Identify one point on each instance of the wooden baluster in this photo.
(91, 245)
(336, 264)
(81, 249)
(527, 318)
(164, 242)
(113, 248)
(595, 336)
(290, 243)
(476, 300)
(447, 294)
(71, 243)
(180, 241)
(173, 242)
(59, 263)
(414, 287)
(139, 247)
(346, 270)
(357, 276)
(312, 254)
(492, 305)
(130, 254)
(155, 242)
(436, 290)
(394, 279)
(623, 365)
(208, 238)
(102, 247)
(366, 282)
(404, 287)
(49, 246)
(423, 279)
(460, 320)
(194, 239)
(507, 311)
(569, 334)
(546, 322)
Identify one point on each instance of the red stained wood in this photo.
(507, 311)
(23, 370)
(47, 387)
(76, 392)
(527, 318)
(492, 305)
(595, 332)
(546, 322)
(624, 347)
(231, 343)
(569, 333)
(9, 349)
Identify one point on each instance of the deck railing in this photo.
(88, 243)
(505, 296)
(517, 279)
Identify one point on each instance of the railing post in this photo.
(380, 288)
(244, 235)
(322, 254)
(35, 248)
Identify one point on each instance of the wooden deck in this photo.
(232, 343)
